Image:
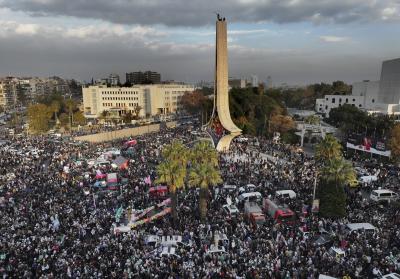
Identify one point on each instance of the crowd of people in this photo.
(55, 224)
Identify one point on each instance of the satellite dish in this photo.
(228, 201)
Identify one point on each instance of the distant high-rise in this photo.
(147, 77)
(254, 81)
(389, 91)
(113, 79)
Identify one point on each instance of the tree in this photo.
(64, 120)
(338, 171)
(79, 118)
(137, 110)
(204, 172)
(172, 171)
(281, 123)
(55, 108)
(128, 117)
(394, 142)
(328, 149)
(335, 174)
(192, 102)
(39, 116)
(70, 106)
(312, 119)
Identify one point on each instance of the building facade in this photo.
(390, 82)
(154, 99)
(237, 83)
(8, 92)
(147, 77)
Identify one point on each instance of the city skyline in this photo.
(294, 42)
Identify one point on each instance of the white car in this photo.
(165, 251)
(215, 250)
(230, 209)
(391, 276)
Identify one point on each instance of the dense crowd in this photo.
(55, 224)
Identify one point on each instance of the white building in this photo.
(380, 97)
(154, 99)
(364, 96)
(254, 81)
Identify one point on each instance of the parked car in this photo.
(383, 195)
(290, 194)
(231, 210)
(360, 227)
(391, 276)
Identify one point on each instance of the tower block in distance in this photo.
(221, 128)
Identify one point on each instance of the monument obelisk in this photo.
(221, 127)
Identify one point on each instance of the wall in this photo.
(124, 133)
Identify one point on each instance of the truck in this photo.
(281, 214)
(253, 213)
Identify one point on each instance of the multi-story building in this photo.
(381, 97)
(390, 82)
(147, 77)
(364, 96)
(154, 99)
(113, 80)
(8, 91)
(237, 83)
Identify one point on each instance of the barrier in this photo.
(123, 133)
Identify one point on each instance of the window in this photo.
(326, 107)
(360, 105)
(354, 100)
(373, 100)
(333, 100)
(347, 100)
(340, 100)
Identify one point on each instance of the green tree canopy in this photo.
(394, 142)
(204, 172)
(39, 116)
(172, 171)
(328, 149)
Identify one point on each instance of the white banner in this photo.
(372, 150)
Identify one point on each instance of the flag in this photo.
(147, 180)
(118, 213)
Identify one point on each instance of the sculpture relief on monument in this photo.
(221, 127)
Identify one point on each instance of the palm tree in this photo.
(172, 171)
(334, 176)
(70, 107)
(55, 108)
(204, 152)
(204, 172)
(328, 149)
(339, 172)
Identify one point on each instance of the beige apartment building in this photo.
(154, 99)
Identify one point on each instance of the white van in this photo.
(367, 227)
(247, 197)
(383, 195)
(285, 194)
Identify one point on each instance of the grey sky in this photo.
(295, 41)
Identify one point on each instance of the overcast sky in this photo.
(293, 41)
